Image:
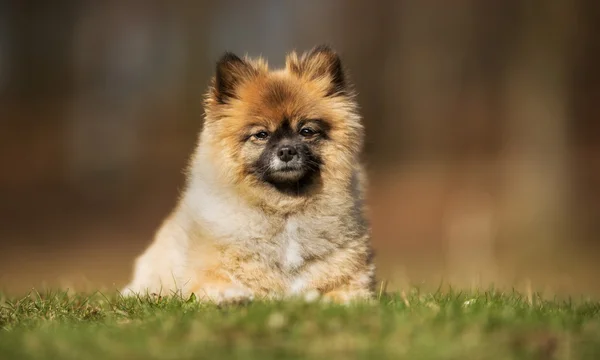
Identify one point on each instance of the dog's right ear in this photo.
(231, 71)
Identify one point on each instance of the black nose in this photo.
(286, 153)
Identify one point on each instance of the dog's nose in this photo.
(286, 153)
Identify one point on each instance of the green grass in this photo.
(442, 325)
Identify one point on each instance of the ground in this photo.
(411, 325)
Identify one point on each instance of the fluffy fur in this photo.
(249, 225)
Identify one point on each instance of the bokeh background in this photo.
(483, 122)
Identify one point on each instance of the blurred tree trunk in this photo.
(585, 128)
(535, 94)
(36, 84)
(39, 49)
(367, 39)
(127, 76)
(196, 19)
(471, 136)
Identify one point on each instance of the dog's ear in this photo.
(230, 72)
(321, 63)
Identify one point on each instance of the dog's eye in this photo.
(261, 135)
(306, 132)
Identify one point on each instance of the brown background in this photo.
(482, 117)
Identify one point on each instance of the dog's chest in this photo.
(301, 240)
(293, 245)
(285, 243)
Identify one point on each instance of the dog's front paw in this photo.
(224, 294)
(347, 297)
(127, 292)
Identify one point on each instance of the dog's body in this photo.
(273, 205)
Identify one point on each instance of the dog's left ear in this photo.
(322, 63)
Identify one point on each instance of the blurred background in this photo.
(483, 123)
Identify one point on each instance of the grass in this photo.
(442, 325)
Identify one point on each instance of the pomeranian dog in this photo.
(273, 205)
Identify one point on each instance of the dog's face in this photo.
(285, 132)
(285, 155)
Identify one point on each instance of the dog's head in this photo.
(283, 133)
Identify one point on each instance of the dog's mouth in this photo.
(292, 167)
(292, 182)
(287, 173)
(294, 178)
